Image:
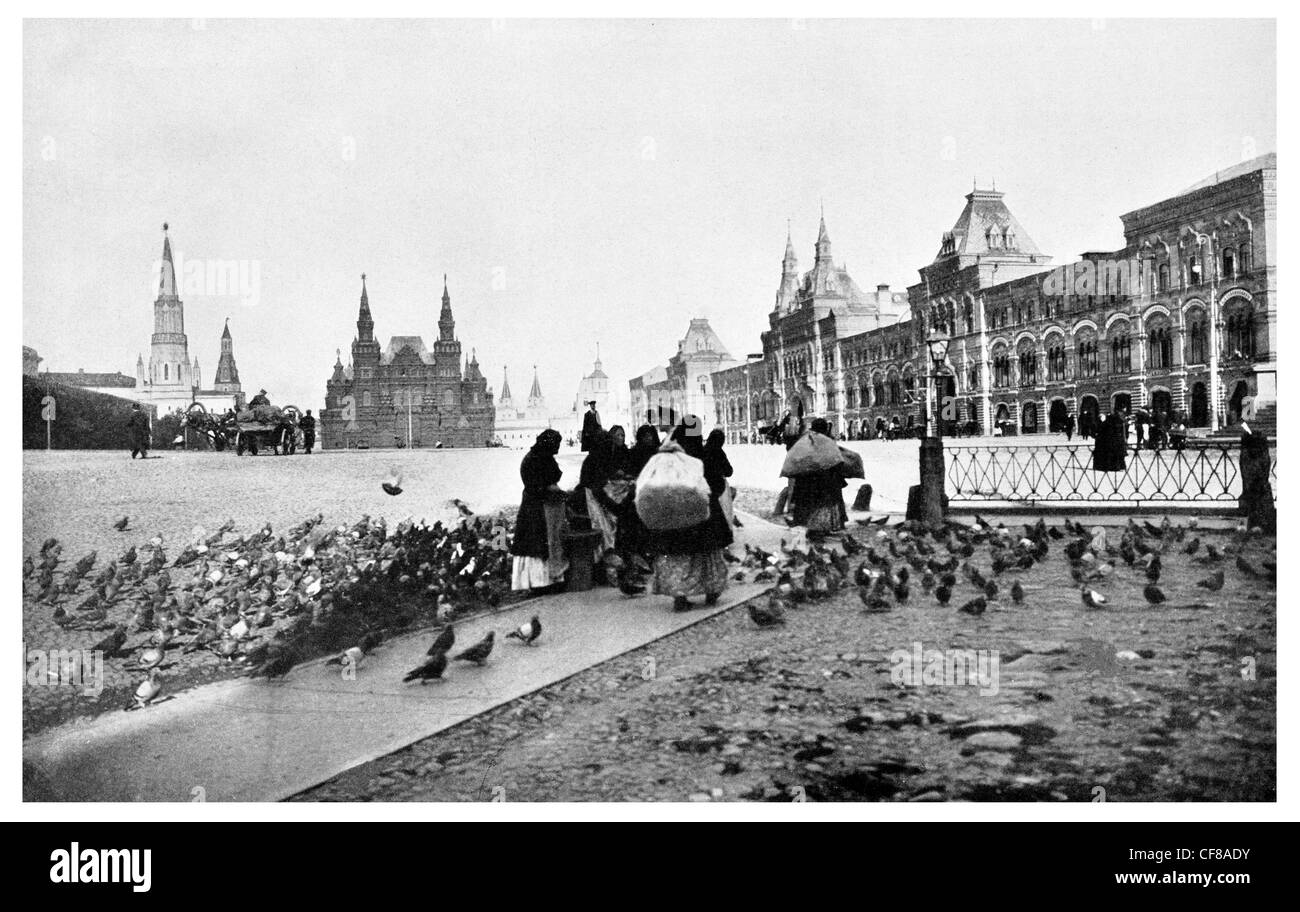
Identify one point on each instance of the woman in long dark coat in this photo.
(690, 561)
(1108, 453)
(817, 499)
(538, 546)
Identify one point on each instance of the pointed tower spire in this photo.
(505, 386)
(536, 391)
(790, 263)
(823, 241)
(365, 323)
(167, 281)
(446, 322)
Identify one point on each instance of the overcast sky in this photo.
(577, 181)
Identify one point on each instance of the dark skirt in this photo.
(710, 535)
(817, 501)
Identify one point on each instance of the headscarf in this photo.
(548, 442)
(647, 444)
(687, 436)
(716, 439)
(597, 466)
(821, 426)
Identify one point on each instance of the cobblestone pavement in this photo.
(1128, 703)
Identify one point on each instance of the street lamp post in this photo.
(750, 360)
(931, 497)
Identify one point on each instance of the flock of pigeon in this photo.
(939, 558)
(272, 601)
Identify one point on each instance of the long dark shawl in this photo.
(538, 471)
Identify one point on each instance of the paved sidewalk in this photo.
(257, 740)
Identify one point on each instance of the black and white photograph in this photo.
(623, 412)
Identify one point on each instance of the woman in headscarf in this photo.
(690, 561)
(538, 546)
(717, 465)
(597, 473)
(631, 538)
(817, 499)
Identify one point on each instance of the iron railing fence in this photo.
(1208, 472)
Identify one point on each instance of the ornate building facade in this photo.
(405, 392)
(686, 385)
(1183, 319)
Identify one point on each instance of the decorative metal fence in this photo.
(1202, 472)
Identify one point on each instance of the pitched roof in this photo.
(701, 337)
(986, 226)
(397, 343)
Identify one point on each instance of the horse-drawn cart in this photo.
(249, 431)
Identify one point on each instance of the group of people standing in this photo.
(684, 562)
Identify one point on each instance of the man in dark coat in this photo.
(137, 428)
(1069, 427)
(591, 427)
(308, 425)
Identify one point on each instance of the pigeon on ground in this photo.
(147, 692)
(393, 485)
(527, 633)
(991, 589)
(769, 615)
(1017, 592)
(943, 594)
(445, 640)
(1192, 545)
(430, 670)
(1153, 594)
(1153, 569)
(112, 644)
(1092, 598)
(350, 657)
(121, 524)
(1213, 583)
(1245, 566)
(479, 652)
(975, 606)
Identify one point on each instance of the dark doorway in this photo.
(1162, 403)
(1239, 392)
(1123, 402)
(1056, 416)
(1200, 406)
(1029, 418)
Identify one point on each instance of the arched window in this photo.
(1164, 276)
(1243, 258)
(1002, 370)
(1087, 358)
(1160, 349)
(1241, 333)
(850, 396)
(1197, 340)
(1229, 261)
(1028, 368)
(864, 391)
(166, 367)
(365, 398)
(1056, 362)
(1121, 354)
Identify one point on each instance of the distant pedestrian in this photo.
(137, 428)
(1109, 454)
(307, 424)
(591, 427)
(1069, 428)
